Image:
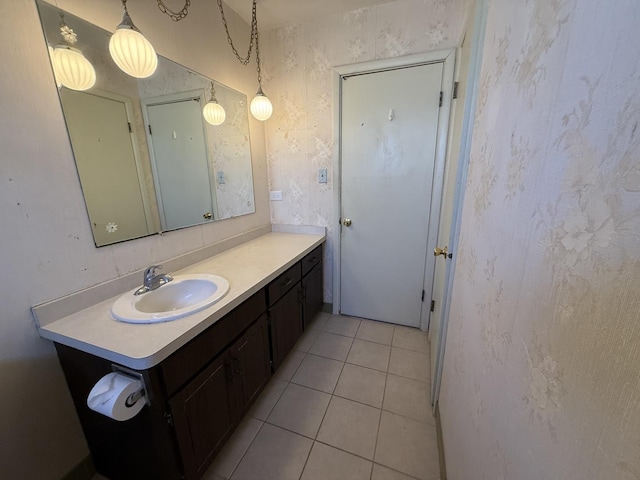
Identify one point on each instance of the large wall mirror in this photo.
(147, 160)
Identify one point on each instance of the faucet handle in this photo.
(151, 271)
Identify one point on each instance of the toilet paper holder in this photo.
(136, 396)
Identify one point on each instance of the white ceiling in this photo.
(274, 13)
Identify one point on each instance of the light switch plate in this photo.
(220, 178)
(275, 195)
(322, 175)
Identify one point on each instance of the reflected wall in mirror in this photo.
(146, 158)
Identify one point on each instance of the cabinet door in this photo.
(312, 289)
(250, 361)
(203, 416)
(286, 324)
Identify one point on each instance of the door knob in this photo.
(442, 251)
(207, 216)
(346, 222)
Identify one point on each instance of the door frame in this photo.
(471, 95)
(447, 58)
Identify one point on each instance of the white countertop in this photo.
(248, 268)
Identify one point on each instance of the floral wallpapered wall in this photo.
(298, 78)
(542, 365)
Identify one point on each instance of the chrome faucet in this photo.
(153, 281)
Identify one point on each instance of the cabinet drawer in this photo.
(311, 260)
(190, 359)
(284, 283)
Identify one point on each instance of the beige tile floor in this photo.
(350, 402)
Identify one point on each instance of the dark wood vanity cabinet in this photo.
(286, 324)
(250, 363)
(203, 415)
(311, 284)
(294, 298)
(141, 448)
(206, 411)
(199, 394)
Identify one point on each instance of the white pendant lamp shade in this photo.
(261, 107)
(214, 113)
(133, 53)
(72, 69)
(55, 74)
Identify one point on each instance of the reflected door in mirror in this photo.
(179, 160)
(99, 129)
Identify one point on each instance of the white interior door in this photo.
(389, 126)
(180, 163)
(103, 149)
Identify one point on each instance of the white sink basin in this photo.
(185, 295)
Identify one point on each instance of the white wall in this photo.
(542, 364)
(299, 61)
(46, 247)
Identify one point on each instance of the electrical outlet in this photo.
(275, 195)
(322, 175)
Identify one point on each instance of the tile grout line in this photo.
(384, 394)
(306, 460)
(309, 352)
(323, 417)
(245, 452)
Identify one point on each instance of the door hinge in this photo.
(441, 98)
(130, 129)
(150, 132)
(455, 89)
(423, 295)
(433, 305)
(168, 418)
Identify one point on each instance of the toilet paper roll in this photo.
(117, 396)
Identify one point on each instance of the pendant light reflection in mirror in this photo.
(213, 112)
(70, 67)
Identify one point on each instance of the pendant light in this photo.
(131, 52)
(70, 67)
(261, 107)
(213, 112)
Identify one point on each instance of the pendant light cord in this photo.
(254, 33)
(175, 16)
(253, 40)
(257, 47)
